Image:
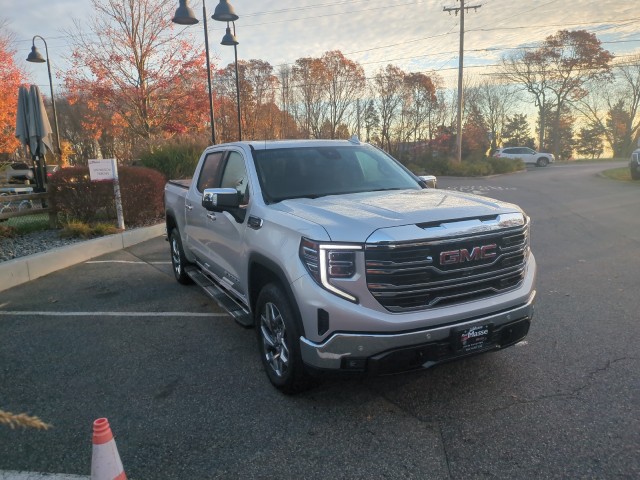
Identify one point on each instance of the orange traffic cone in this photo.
(105, 461)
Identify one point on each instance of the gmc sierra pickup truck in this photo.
(344, 261)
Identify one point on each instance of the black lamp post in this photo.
(184, 16)
(36, 57)
(224, 12)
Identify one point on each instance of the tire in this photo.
(178, 260)
(542, 162)
(635, 175)
(278, 333)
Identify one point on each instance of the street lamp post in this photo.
(224, 12)
(36, 57)
(184, 16)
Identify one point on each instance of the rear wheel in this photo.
(542, 162)
(178, 260)
(635, 175)
(278, 341)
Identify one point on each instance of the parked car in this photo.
(634, 165)
(19, 172)
(526, 154)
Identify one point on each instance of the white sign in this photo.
(103, 169)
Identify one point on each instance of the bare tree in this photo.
(615, 107)
(345, 79)
(387, 89)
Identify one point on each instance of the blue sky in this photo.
(416, 35)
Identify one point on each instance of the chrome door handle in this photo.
(189, 207)
(211, 216)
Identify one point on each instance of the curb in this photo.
(24, 269)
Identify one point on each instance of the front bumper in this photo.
(391, 353)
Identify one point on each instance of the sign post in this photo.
(101, 170)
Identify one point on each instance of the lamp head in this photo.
(224, 12)
(229, 38)
(35, 56)
(184, 15)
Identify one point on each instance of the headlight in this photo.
(327, 261)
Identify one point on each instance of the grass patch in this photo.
(620, 174)
(75, 229)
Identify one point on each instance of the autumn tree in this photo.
(310, 77)
(11, 76)
(420, 103)
(556, 74)
(615, 108)
(495, 102)
(128, 60)
(475, 135)
(387, 89)
(345, 81)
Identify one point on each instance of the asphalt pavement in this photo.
(187, 398)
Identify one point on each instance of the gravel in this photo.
(31, 243)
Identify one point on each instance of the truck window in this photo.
(235, 176)
(209, 173)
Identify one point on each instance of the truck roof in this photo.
(275, 144)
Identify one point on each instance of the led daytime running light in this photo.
(323, 269)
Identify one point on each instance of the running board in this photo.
(234, 308)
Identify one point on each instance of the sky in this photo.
(415, 35)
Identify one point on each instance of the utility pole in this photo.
(462, 8)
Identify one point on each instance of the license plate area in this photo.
(471, 339)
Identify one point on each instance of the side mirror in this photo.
(429, 180)
(220, 199)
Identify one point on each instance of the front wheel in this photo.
(542, 162)
(178, 259)
(278, 341)
(635, 175)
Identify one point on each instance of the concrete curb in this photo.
(24, 269)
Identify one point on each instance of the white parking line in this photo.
(14, 475)
(129, 261)
(110, 314)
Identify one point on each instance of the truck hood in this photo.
(354, 217)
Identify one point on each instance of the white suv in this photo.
(525, 154)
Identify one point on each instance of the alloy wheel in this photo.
(273, 333)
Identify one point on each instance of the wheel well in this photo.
(263, 271)
(171, 224)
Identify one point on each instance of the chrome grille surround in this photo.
(408, 275)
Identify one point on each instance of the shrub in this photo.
(74, 197)
(505, 165)
(175, 161)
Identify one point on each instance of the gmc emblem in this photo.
(451, 257)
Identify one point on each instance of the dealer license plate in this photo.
(472, 339)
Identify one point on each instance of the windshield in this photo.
(311, 172)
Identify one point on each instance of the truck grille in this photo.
(417, 275)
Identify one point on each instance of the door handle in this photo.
(211, 216)
(189, 207)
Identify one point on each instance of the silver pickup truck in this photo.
(344, 261)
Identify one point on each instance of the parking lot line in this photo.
(129, 261)
(110, 314)
(14, 475)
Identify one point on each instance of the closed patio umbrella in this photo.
(40, 134)
(22, 118)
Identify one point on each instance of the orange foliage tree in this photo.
(136, 77)
(11, 76)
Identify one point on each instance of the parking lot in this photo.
(184, 390)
